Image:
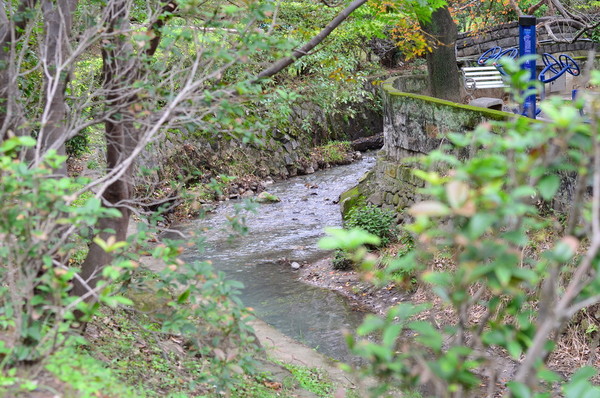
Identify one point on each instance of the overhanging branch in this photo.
(279, 65)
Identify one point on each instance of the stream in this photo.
(289, 230)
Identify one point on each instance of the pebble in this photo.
(295, 265)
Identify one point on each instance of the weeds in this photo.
(374, 220)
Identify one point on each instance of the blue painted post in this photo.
(527, 44)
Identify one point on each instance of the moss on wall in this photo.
(414, 124)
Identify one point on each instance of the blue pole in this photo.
(527, 44)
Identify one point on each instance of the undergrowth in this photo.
(374, 220)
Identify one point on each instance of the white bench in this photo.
(480, 77)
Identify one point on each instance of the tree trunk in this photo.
(121, 138)
(55, 130)
(441, 62)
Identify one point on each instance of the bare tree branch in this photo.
(515, 7)
(536, 6)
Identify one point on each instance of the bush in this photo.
(474, 238)
(374, 220)
(78, 145)
(335, 152)
(44, 224)
(341, 262)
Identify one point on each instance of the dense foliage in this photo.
(374, 220)
(486, 248)
(131, 78)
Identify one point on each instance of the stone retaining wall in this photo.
(507, 35)
(413, 125)
(284, 153)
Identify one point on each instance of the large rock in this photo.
(368, 143)
(349, 200)
(266, 197)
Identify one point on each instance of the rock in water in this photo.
(295, 265)
(265, 197)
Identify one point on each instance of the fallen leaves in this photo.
(273, 385)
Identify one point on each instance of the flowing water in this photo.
(289, 229)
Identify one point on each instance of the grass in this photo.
(334, 152)
(260, 386)
(311, 379)
(123, 357)
(136, 354)
(72, 372)
(85, 376)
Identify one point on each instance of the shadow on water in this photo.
(289, 229)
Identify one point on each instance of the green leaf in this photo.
(494, 337)
(580, 387)
(457, 192)
(437, 278)
(514, 349)
(390, 334)
(595, 77)
(370, 324)
(427, 334)
(183, 296)
(430, 176)
(548, 186)
(15, 142)
(479, 223)
(562, 252)
(549, 376)
(519, 390)
(347, 240)
(458, 139)
(503, 274)
(585, 373)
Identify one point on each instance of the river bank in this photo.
(361, 294)
(295, 320)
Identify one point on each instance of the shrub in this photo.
(334, 152)
(78, 145)
(473, 251)
(341, 262)
(375, 221)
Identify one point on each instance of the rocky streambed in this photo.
(278, 235)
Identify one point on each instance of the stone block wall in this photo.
(419, 124)
(470, 45)
(413, 125)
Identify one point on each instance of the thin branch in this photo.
(576, 285)
(535, 7)
(516, 8)
(586, 29)
(281, 64)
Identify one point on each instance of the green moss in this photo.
(349, 200)
(388, 86)
(492, 114)
(311, 379)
